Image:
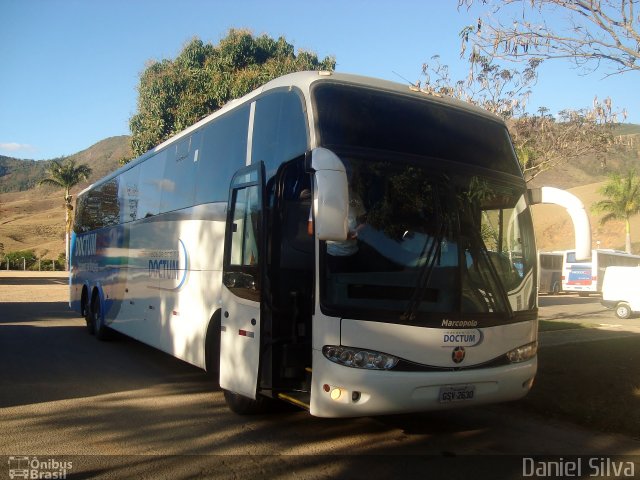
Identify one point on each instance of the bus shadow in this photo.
(18, 312)
(57, 359)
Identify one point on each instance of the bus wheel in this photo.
(246, 406)
(102, 332)
(623, 310)
(212, 348)
(88, 316)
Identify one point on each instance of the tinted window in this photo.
(241, 274)
(129, 195)
(359, 117)
(180, 174)
(551, 262)
(83, 221)
(151, 184)
(279, 131)
(109, 206)
(98, 208)
(429, 239)
(244, 233)
(77, 219)
(223, 151)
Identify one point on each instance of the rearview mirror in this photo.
(331, 195)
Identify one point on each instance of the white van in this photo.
(621, 290)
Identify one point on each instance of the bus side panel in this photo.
(84, 267)
(578, 278)
(75, 283)
(138, 315)
(189, 296)
(173, 279)
(112, 245)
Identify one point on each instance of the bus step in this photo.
(299, 399)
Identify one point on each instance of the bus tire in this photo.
(86, 312)
(102, 332)
(242, 405)
(623, 310)
(212, 348)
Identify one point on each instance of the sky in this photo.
(69, 69)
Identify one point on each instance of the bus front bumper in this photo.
(339, 391)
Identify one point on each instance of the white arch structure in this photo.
(575, 209)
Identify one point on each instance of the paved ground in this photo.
(586, 311)
(122, 410)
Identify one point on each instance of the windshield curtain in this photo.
(430, 241)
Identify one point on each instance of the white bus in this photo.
(550, 272)
(586, 276)
(349, 245)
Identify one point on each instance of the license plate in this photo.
(459, 393)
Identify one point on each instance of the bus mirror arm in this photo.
(575, 209)
(331, 195)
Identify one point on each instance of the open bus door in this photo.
(241, 283)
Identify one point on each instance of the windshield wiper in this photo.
(426, 270)
(498, 288)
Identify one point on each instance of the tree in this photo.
(496, 88)
(622, 202)
(174, 94)
(21, 258)
(66, 174)
(541, 141)
(544, 141)
(587, 32)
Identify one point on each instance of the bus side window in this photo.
(180, 174)
(109, 205)
(151, 184)
(279, 130)
(129, 194)
(223, 150)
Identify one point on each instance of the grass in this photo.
(594, 384)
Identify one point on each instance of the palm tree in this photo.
(65, 174)
(623, 202)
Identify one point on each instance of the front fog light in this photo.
(523, 353)
(359, 358)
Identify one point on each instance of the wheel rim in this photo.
(622, 311)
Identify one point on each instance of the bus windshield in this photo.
(428, 239)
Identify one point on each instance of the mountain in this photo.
(592, 168)
(32, 217)
(19, 175)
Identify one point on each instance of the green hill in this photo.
(19, 175)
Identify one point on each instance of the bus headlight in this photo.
(523, 353)
(359, 358)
